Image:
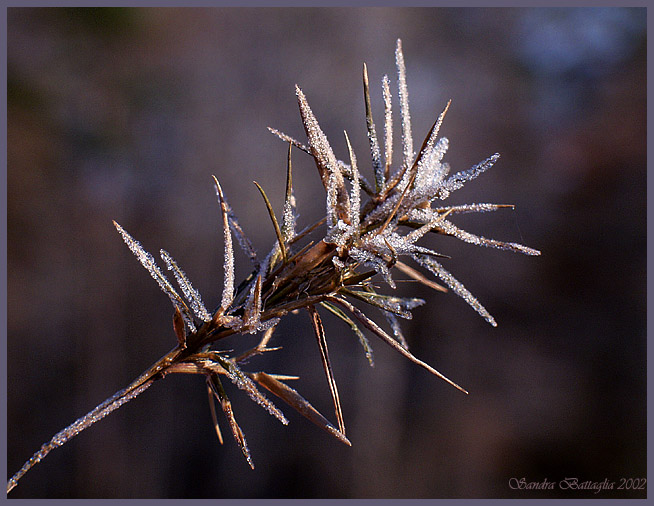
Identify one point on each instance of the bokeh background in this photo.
(125, 113)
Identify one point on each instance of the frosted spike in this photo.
(368, 258)
(332, 201)
(397, 330)
(388, 127)
(473, 208)
(362, 338)
(449, 228)
(403, 93)
(65, 435)
(430, 169)
(455, 286)
(191, 294)
(363, 182)
(241, 238)
(375, 152)
(417, 234)
(147, 261)
(228, 287)
(427, 251)
(243, 382)
(434, 132)
(323, 155)
(379, 332)
(288, 138)
(252, 309)
(458, 180)
(400, 306)
(338, 234)
(355, 197)
(288, 217)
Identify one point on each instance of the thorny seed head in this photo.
(361, 240)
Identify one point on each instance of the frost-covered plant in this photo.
(362, 239)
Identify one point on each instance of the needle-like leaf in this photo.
(190, 293)
(273, 218)
(324, 353)
(357, 332)
(217, 389)
(228, 286)
(297, 402)
(288, 219)
(378, 331)
(375, 151)
(147, 260)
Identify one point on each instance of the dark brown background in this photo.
(125, 114)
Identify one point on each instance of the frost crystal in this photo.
(147, 260)
(228, 287)
(456, 286)
(457, 180)
(407, 137)
(191, 294)
(388, 126)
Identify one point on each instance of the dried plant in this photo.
(361, 240)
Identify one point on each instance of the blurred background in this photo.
(126, 113)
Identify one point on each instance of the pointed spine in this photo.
(228, 287)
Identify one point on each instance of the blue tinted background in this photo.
(125, 114)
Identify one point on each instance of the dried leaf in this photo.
(178, 327)
(324, 353)
(239, 437)
(297, 402)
